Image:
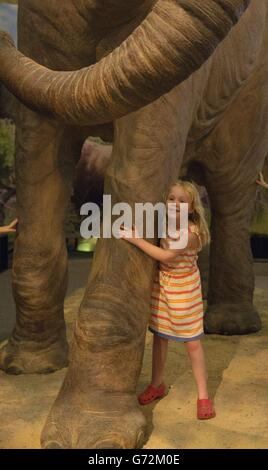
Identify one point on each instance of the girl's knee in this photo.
(193, 346)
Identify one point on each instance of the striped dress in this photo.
(176, 303)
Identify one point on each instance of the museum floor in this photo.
(238, 379)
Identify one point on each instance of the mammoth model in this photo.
(182, 83)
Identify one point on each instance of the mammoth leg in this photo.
(230, 296)
(97, 405)
(235, 153)
(44, 168)
(45, 158)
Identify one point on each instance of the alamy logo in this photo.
(143, 217)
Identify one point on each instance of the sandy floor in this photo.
(238, 380)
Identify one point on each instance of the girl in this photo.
(176, 305)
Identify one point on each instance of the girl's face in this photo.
(178, 195)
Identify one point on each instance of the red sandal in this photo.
(152, 393)
(205, 409)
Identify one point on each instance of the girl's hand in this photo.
(129, 234)
(261, 181)
(9, 228)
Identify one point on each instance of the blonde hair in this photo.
(198, 215)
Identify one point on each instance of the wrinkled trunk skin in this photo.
(179, 34)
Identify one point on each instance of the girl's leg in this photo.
(197, 357)
(160, 347)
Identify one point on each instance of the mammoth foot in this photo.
(231, 319)
(25, 358)
(97, 420)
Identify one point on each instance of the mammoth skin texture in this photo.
(217, 117)
(46, 156)
(148, 147)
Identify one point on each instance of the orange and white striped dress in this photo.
(176, 304)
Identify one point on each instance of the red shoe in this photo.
(152, 393)
(205, 409)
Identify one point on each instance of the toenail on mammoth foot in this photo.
(16, 359)
(70, 427)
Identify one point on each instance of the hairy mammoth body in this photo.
(206, 105)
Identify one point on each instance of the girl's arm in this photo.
(261, 181)
(156, 252)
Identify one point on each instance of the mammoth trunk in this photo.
(179, 35)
